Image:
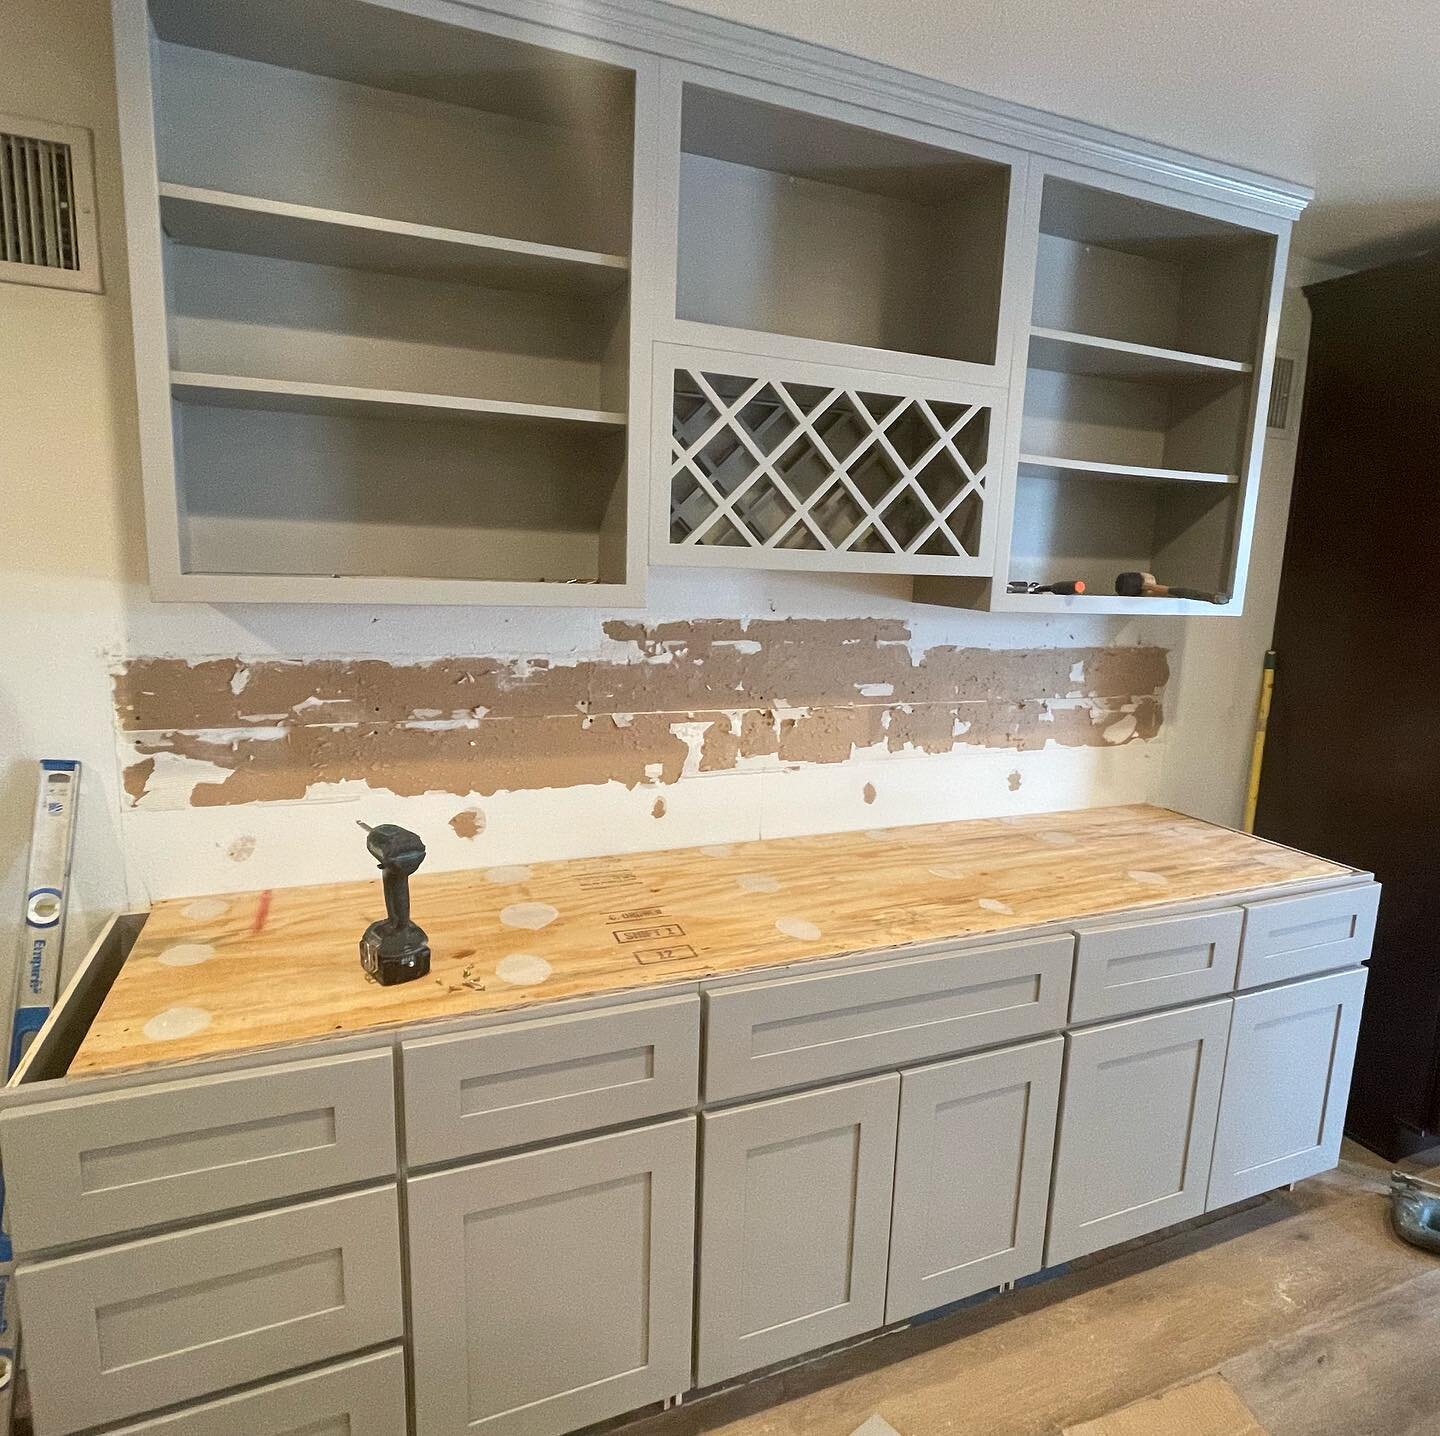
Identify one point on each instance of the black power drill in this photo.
(394, 949)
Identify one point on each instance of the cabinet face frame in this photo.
(165, 516)
(1250, 1158)
(441, 1206)
(1253, 442)
(868, 1111)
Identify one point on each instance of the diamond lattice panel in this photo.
(765, 464)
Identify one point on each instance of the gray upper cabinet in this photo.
(1293, 937)
(107, 1163)
(152, 1323)
(553, 1289)
(1137, 1126)
(1292, 1050)
(972, 1175)
(794, 1224)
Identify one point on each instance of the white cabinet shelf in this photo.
(1070, 353)
(1047, 466)
(285, 396)
(276, 229)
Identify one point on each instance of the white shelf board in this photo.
(216, 219)
(1098, 603)
(1090, 354)
(1048, 466)
(243, 392)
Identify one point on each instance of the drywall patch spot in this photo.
(995, 905)
(801, 929)
(868, 793)
(658, 811)
(241, 850)
(531, 915)
(186, 954)
(504, 876)
(468, 823)
(1014, 780)
(1122, 730)
(204, 909)
(758, 883)
(136, 778)
(522, 969)
(175, 1023)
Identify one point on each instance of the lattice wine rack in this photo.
(811, 467)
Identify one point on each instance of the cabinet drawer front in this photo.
(794, 1225)
(89, 1167)
(1287, 1077)
(153, 1323)
(1144, 965)
(765, 1036)
(1137, 1127)
(364, 1397)
(553, 1289)
(526, 1082)
(972, 1175)
(1293, 937)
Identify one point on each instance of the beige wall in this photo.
(74, 607)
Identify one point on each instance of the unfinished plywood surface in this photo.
(1208, 1407)
(212, 976)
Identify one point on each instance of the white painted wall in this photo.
(73, 601)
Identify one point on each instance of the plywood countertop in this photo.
(210, 977)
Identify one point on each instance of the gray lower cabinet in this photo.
(553, 1288)
(1292, 1051)
(794, 1224)
(363, 1397)
(149, 1324)
(1137, 1126)
(972, 1175)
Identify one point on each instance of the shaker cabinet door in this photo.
(553, 1289)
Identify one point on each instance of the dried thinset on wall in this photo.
(659, 702)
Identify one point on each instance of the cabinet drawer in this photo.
(153, 1323)
(553, 1077)
(364, 1397)
(1293, 937)
(1140, 966)
(89, 1167)
(764, 1036)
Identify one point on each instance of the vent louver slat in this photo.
(37, 203)
(1281, 386)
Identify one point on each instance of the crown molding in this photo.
(667, 31)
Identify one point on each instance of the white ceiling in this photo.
(1343, 95)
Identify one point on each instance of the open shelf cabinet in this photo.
(811, 231)
(395, 344)
(1136, 443)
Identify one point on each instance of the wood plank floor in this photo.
(1320, 1318)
